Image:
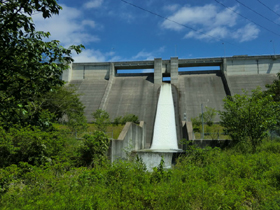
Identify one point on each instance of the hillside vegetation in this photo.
(201, 179)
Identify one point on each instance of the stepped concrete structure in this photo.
(103, 86)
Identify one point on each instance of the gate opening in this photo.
(198, 69)
(134, 71)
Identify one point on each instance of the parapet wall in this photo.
(252, 65)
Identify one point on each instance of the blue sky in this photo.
(114, 30)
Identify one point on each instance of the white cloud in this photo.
(171, 8)
(247, 33)
(67, 27)
(90, 23)
(212, 23)
(89, 55)
(144, 55)
(93, 4)
(277, 8)
(206, 16)
(128, 17)
(216, 33)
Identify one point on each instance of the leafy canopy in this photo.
(248, 117)
(30, 67)
(101, 119)
(274, 88)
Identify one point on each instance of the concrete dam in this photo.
(105, 85)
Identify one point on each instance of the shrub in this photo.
(101, 119)
(94, 148)
(30, 145)
(127, 118)
(249, 117)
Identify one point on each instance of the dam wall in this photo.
(102, 86)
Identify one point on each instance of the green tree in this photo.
(209, 115)
(247, 118)
(30, 67)
(94, 148)
(274, 88)
(29, 144)
(101, 119)
(66, 106)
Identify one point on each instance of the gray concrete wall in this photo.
(174, 70)
(92, 92)
(178, 120)
(130, 139)
(134, 95)
(249, 82)
(252, 65)
(206, 89)
(67, 74)
(158, 71)
(91, 71)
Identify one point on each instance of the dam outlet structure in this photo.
(119, 89)
(164, 143)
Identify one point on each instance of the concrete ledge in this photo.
(131, 138)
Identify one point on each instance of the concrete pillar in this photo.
(224, 66)
(67, 74)
(174, 70)
(158, 71)
(112, 70)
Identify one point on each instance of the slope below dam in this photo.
(103, 85)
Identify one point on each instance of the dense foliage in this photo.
(30, 67)
(203, 179)
(101, 119)
(274, 89)
(126, 118)
(248, 118)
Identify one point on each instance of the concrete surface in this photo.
(134, 95)
(174, 70)
(92, 93)
(197, 89)
(248, 82)
(131, 138)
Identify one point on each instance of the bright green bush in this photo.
(127, 118)
(94, 148)
(208, 178)
(247, 118)
(30, 145)
(101, 119)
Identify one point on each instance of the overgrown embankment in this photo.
(202, 179)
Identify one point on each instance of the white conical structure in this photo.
(165, 136)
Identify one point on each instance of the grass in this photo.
(113, 131)
(213, 132)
